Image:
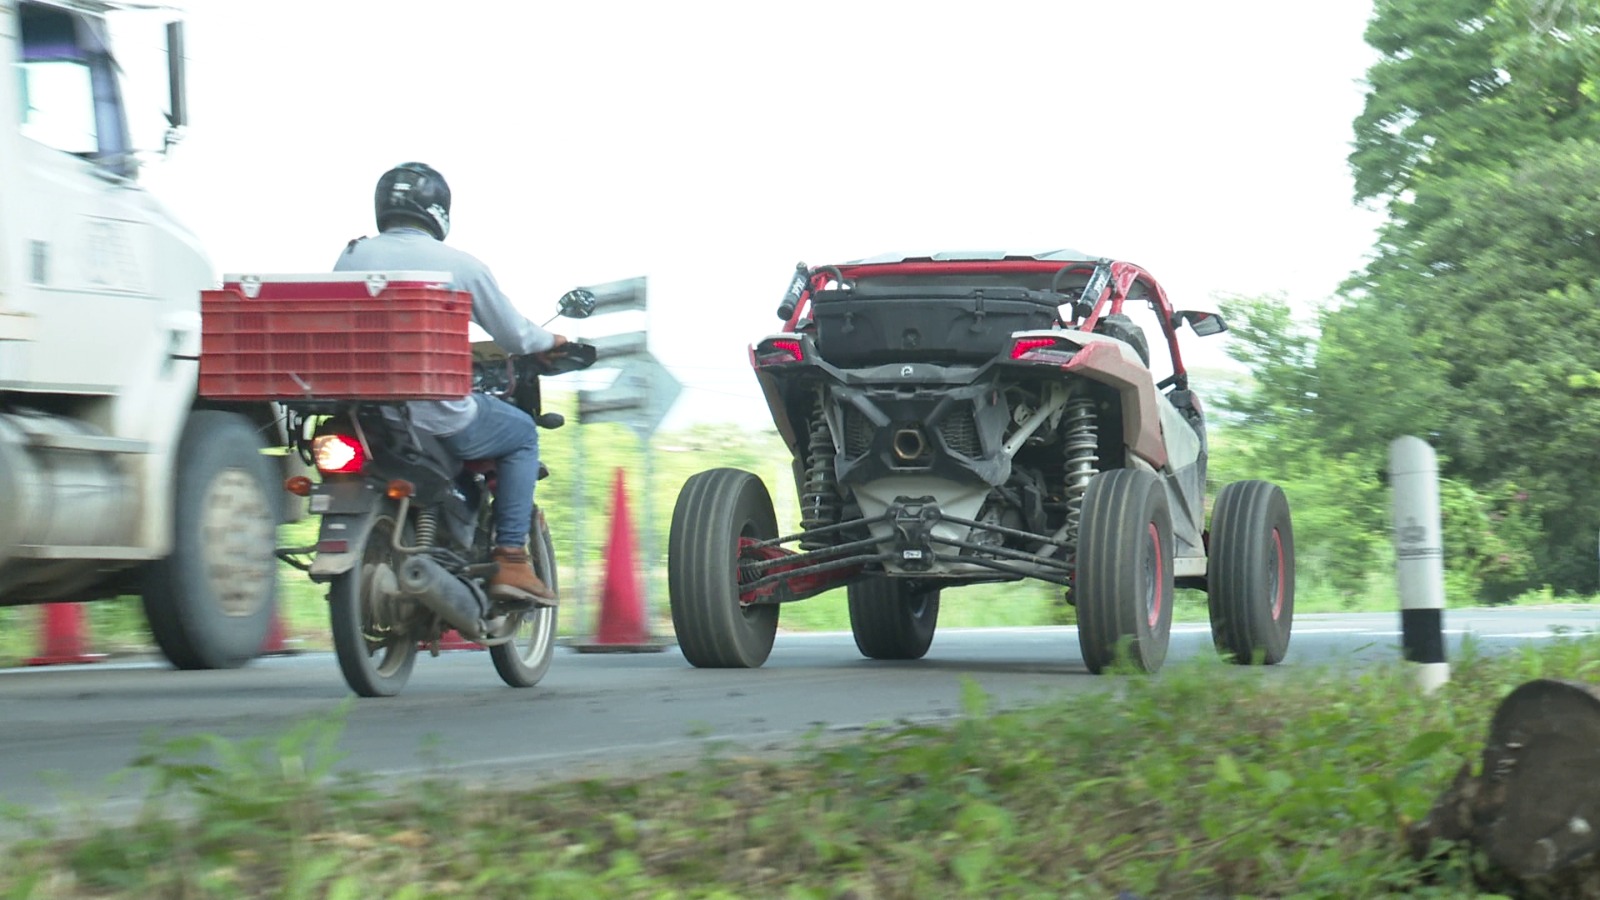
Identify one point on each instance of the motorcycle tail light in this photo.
(338, 454)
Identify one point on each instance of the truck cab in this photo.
(114, 478)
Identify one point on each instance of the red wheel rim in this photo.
(1155, 601)
(1277, 574)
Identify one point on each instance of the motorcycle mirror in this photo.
(577, 304)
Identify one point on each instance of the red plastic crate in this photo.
(323, 342)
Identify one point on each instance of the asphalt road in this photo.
(66, 732)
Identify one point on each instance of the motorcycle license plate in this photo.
(341, 497)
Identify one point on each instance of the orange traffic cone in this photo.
(277, 642)
(623, 628)
(63, 642)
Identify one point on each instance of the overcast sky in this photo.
(710, 146)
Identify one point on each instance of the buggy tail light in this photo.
(338, 454)
(1024, 346)
(1041, 350)
(778, 352)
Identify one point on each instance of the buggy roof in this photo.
(1062, 269)
(1057, 271)
(1062, 255)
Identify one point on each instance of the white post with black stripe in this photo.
(1419, 558)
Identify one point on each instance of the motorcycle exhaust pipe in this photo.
(453, 600)
(909, 444)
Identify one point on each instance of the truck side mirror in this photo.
(177, 85)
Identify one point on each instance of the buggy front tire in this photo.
(889, 620)
(715, 509)
(1250, 575)
(1124, 580)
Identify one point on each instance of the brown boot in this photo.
(515, 579)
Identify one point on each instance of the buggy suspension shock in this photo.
(819, 500)
(1081, 433)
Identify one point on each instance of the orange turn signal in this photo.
(299, 485)
(400, 488)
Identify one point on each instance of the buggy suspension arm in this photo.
(770, 574)
(796, 576)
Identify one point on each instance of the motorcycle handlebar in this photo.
(572, 356)
(501, 376)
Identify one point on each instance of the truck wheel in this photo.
(714, 510)
(212, 601)
(1124, 576)
(375, 645)
(525, 659)
(1250, 576)
(890, 620)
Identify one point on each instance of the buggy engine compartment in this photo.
(946, 417)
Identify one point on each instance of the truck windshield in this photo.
(70, 98)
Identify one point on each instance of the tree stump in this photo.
(1533, 809)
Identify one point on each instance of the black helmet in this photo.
(414, 192)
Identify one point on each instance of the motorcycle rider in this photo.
(412, 203)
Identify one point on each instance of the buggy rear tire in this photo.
(714, 510)
(1124, 581)
(523, 661)
(212, 601)
(889, 620)
(1250, 576)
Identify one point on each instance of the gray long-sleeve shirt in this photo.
(412, 249)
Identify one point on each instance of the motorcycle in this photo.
(404, 540)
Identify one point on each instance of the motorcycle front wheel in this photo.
(375, 648)
(524, 660)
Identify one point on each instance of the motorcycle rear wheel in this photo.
(524, 660)
(375, 648)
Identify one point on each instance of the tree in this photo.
(1476, 320)
(1464, 86)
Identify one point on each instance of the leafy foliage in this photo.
(1464, 86)
(1205, 782)
(1476, 320)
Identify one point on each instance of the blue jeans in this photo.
(503, 433)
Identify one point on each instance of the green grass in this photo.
(1206, 781)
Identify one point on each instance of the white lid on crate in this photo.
(250, 284)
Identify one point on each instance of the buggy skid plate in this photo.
(768, 573)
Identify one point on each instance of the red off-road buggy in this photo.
(967, 418)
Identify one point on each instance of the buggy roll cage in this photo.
(1102, 287)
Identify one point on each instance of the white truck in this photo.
(115, 478)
